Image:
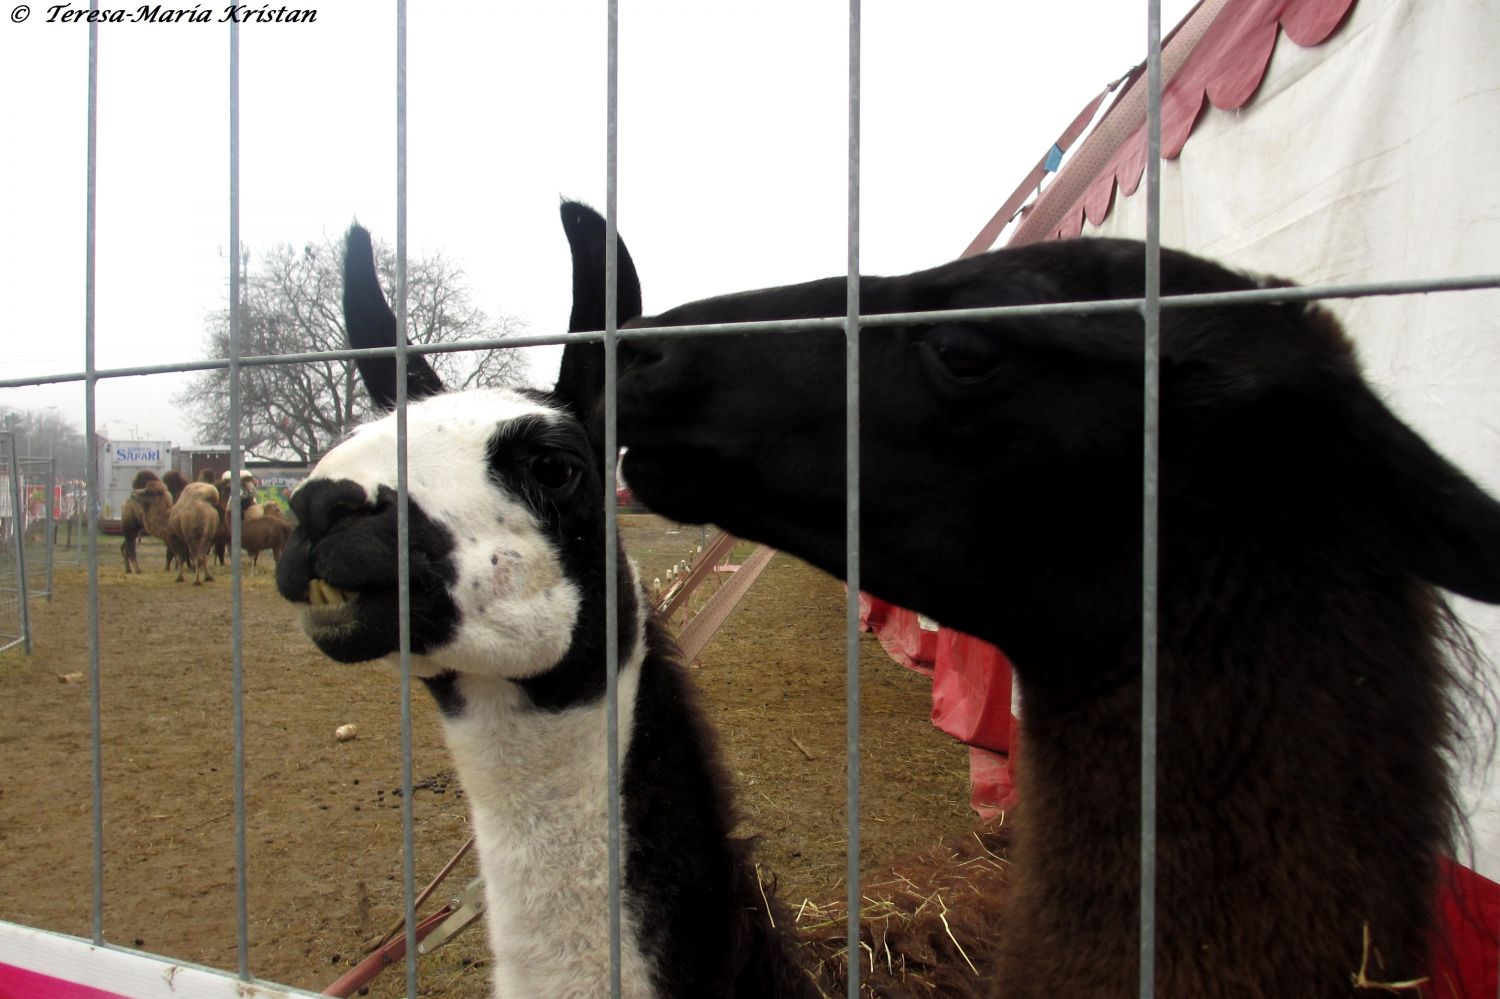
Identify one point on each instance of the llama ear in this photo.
(581, 377)
(369, 322)
(1445, 527)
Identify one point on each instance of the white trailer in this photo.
(119, 463)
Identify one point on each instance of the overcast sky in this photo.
(732, 144)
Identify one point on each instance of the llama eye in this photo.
(553, 471)
(964, 352)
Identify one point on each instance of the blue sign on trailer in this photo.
(138, 454)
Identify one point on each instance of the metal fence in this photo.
(27, 526)
(1149, 307)
(70, 523)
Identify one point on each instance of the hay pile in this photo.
(929, 925)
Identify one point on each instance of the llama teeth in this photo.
(321, 594)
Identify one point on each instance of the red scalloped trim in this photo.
(1226, 67)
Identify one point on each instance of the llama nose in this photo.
(663, 367)
(321, 503)
(639, 353)
(659, 390)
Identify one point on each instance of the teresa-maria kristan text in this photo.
(198, 14)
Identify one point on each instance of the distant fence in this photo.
(70, 520)
(28, 504)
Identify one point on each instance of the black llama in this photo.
(1308, 664)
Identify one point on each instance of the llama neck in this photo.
(536, 784)
(1302, 795)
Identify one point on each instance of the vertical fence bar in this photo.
(49, 532)
(18, 523)
(236, 604)
(611, 511)
(852, 509)
(403, 521)
(1151, 448)
(91, 482)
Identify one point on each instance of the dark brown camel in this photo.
(249, 510)
(266, 533)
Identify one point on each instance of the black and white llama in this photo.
(507, 597)
(1308, 663)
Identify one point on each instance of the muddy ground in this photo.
(324, 817)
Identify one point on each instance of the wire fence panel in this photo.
(37, 483)
(28, 513)
(70, 523)
(15, 624)
(44, 522)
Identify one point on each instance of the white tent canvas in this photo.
(1369, 157)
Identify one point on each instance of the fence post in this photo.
(49, 530)
(18, 522)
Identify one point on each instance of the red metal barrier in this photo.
(362, 973)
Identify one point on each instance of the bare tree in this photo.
(292, 303)
(43, 433)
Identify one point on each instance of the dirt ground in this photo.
(324, 817)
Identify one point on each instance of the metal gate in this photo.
(27, 533)
(14, 561)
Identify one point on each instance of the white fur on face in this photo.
(517, 607)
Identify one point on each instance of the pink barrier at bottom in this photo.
(18, 983)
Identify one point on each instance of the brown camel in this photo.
(133, 519)
(146, 512)
(267, 533)
(192, 522)
(174, 481)
(249, 510)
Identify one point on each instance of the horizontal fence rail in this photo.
(832, 324)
